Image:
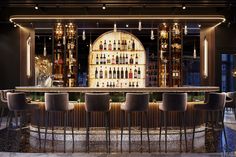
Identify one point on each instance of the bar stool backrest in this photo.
(56, 101)
(137, 101)
(174, 102)
(95, 102)
(232, 95)
(216, 101)
(16, 101)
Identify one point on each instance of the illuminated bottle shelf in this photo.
(117, 59)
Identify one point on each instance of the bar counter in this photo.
(98, 118)
(111, 90)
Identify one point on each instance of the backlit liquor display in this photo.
(117, 59)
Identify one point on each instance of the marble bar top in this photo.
(117, 90)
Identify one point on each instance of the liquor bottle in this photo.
(103, 84)
(118, 47)
(129, 45)
(135, 73)
(108, 84)
(117, 58)
(118, 73)
(105, 73)
(104, 59)
(105, 45)
(129, 84)
(126, 59)
(136, 59)
(114, 45)
(132, 84)
(122, 45)
(131, 61)
(110, 73)
(125, 45)
(97, 84)
(120, 59)
(122, 73)
(100, 46)
(130, 74)
(113, 85)
(114, 73)
(113, 60)
(139, 73)
(133, 45)
(126, 73)
(108, 59)
(97, 59)
(96, 73)
(101, 59)
(101, 73)
(60, 61)
(136, 84)
(109, 46)
(123, 58)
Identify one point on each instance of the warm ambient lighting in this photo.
(139, 25)
(205, 68)
(83, 35)
(36, 7)
(183, 7)
(28, 56)
(115, 29)
(104, 7)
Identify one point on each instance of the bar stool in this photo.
(17, 104)
(173, 102)
(215, 104)
(3, 106)
(135, 102)
(232, 103)
(58, 103)
(97, 102)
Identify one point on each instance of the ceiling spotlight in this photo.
(199, 25)
(36, 7)
(104, 7)
(139, 25)
(152, 35)
(15, 25)
(183, 6)
(50, 38)
(115, 29)
(127, 25)
(83, 35)
(185, 30)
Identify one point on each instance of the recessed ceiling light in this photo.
(199, 25)
(36, 7)
(183, 6)
(127, 25)
(104, 7)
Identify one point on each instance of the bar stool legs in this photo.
(129, 128)
(182, 122)
(107, 128)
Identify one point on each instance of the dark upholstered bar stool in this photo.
(58, 103)
(232, 103)
(173, 102)
(17, 104)
(3, 106)
(98, 102)
(214, 105)
(135, 102)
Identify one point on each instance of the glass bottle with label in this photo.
(118, 47)
(136, 59)
(131, 61)
(96, 73)
(110, 73)
(109, 46)
(100, 46)
(105, 45)
(114, 45)
(126, 73)
(114, 73)
(101, 73)
(130, 74)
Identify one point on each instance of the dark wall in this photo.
(9, 56)
(225, 43)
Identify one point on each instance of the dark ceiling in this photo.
(113, 7)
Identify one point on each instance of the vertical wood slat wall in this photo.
(97, 119)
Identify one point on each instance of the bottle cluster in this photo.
(120, 45)
(117, 84)
(122, 58)
(117, 73)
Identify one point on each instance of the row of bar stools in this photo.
(215, 104)
(58, 103)
(173, 102)
(135, 102)
(98, 102)
(17, 105)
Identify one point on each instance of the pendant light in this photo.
(44, 48)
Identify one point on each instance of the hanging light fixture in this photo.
(194, 51)
(115, 29)
(152, 35)
(83, 35)
(185, 30)
(44, 48)
(139, 25)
